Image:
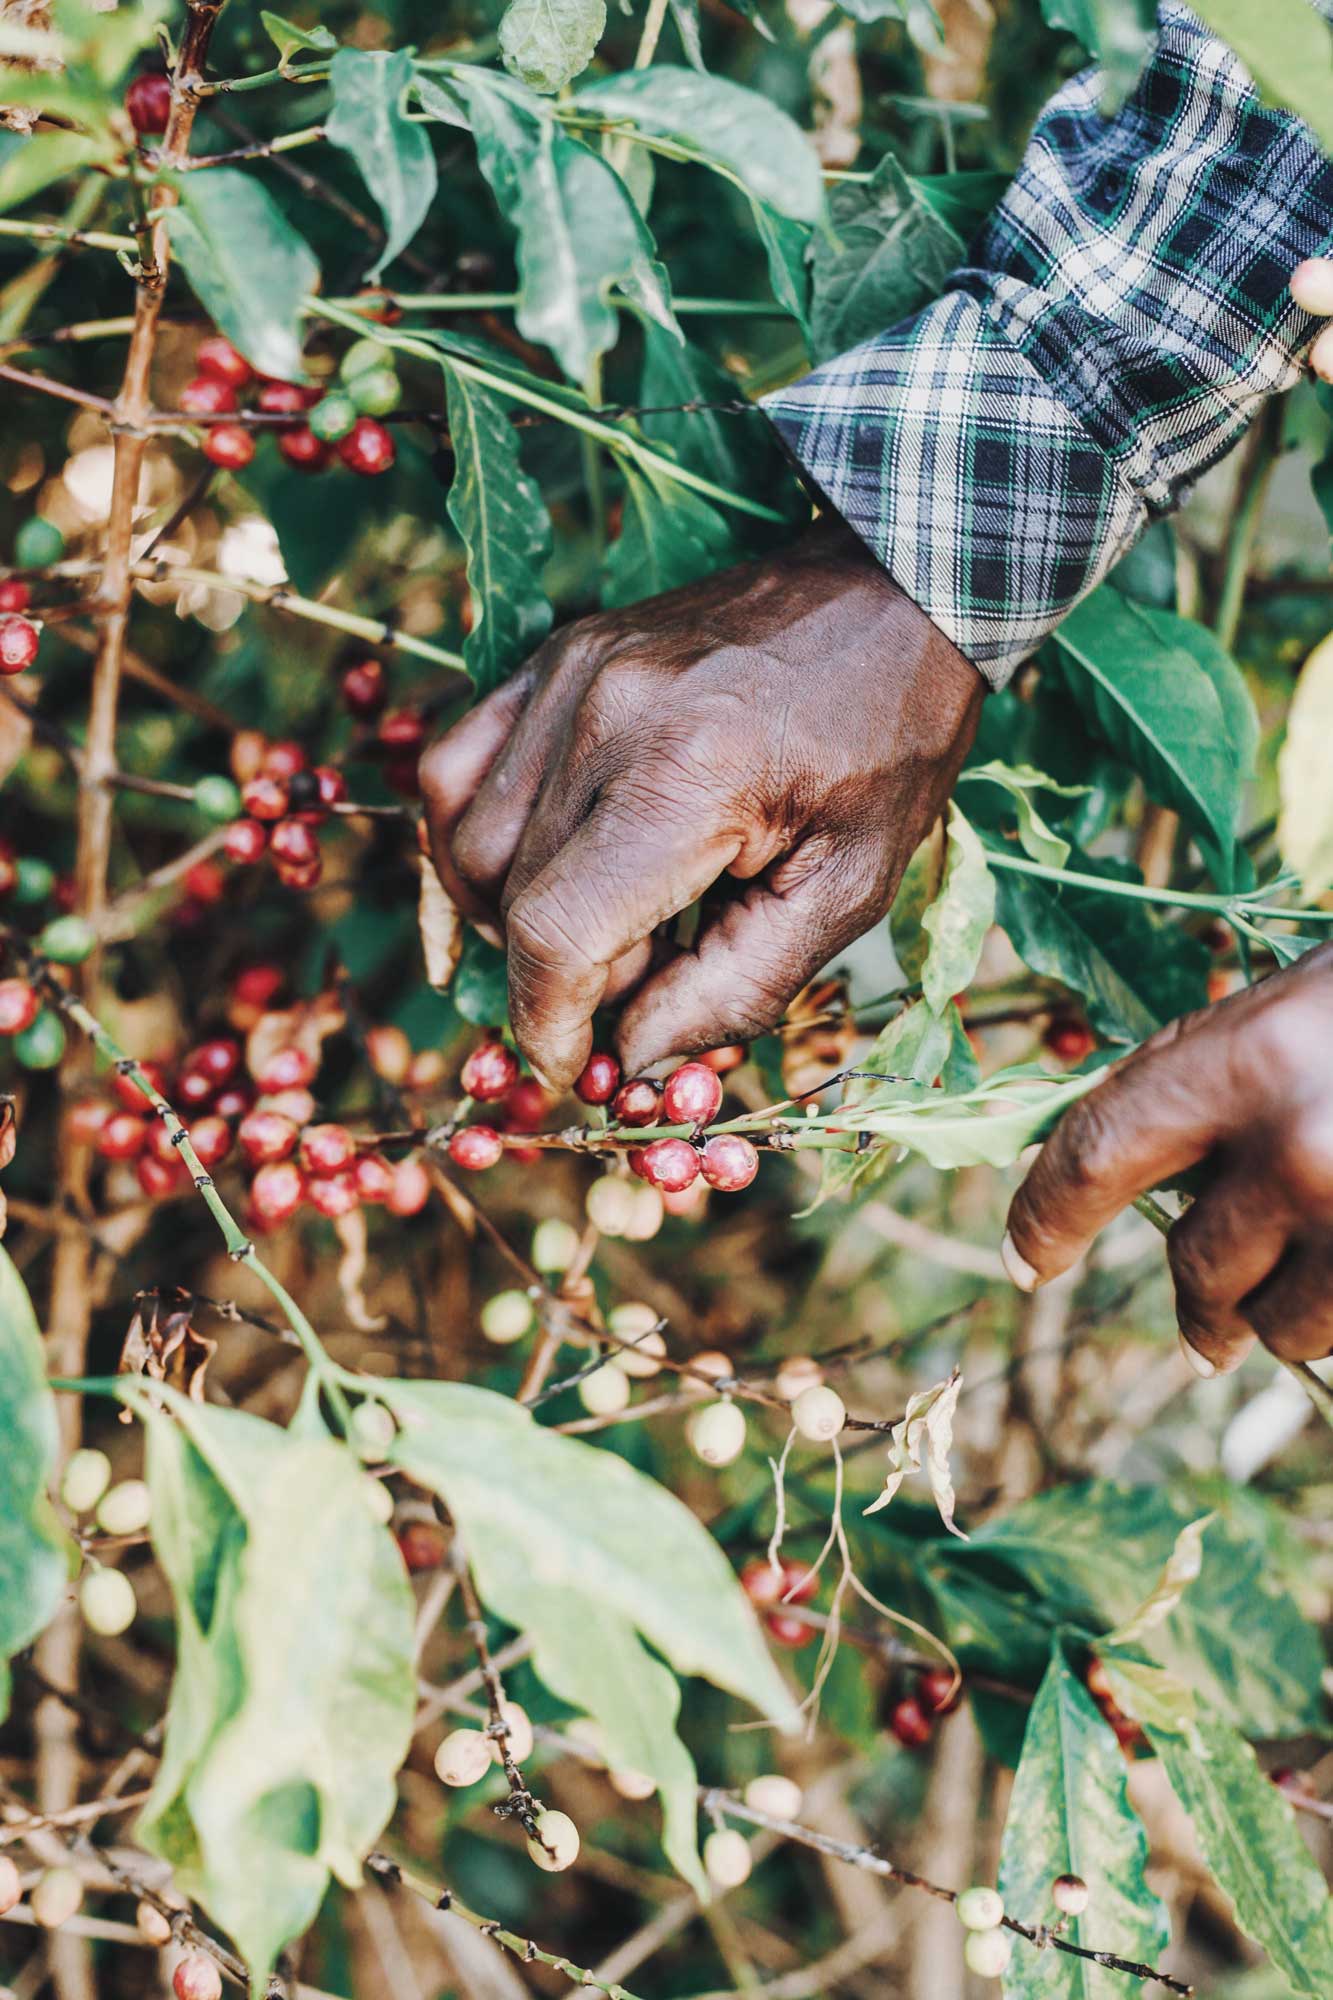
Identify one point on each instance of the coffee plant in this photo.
(413, 1486)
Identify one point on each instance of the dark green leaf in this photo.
(685, 14)
(668, 536)
(886, 252)
(246, 265)
(1287, 49)
(1069, 1813)
(392, 154)
(500, 514)
(963, 201)
(288, 38)
(915, 1046)
(739, 451)
(32, 1565)
(785, 246)
(480, 987)
(1118, 32)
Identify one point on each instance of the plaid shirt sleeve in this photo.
(1125, 315)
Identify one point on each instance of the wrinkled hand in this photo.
(1312, 289)
(1246, 1088)
(794, 724)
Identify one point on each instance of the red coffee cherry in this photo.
(402, 731)
(365, 688)
(303, 449)
(266, 1136)
(489, 1072)
(211, 1139)
(294, 843)
(127, 1092)
(207, 396)
(527, 1105)
(724, 1059)
(286, 399)
(637, 1102)
(937, 1692)
(218, 1059)
(367, 448)
(767, 1588)
(691, 1095)
(193, 1089)
(19, 1006)
(411, 1188)
(788, 1631)
(257, 985)
(1070, 1040)
(85, 1119)
(910, 1723)
(245, 841)
(265, 798)
(19, 641)
(276, 1192)
(205, 881)
(291, 1068)
(300, 874)
(231, 446)
(729, 1162)
(475, 1147)
(422, 1545)
(148, 102)
(599, 1079)
(374, 1177)
(330, 789)
(159, 1178)
(327, 1149)
(123, 1136)
(197, 1978)
(283, 759)
(334, 1196)
(670, 1164)
(234, 1100)
(217, 356)
(14, 595)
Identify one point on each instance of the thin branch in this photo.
(64, 393)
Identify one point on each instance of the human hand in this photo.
(1244, 1088)
(795, 724)
(1312, 289)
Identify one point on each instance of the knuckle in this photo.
(542, 935)
(1195, 1268)
(1307, 1163)
(1087, 1148)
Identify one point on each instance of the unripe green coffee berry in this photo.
(507, 1316)
(557, 1844)
(37, 543)
(633, 1785)
(11, 1885)
(333, 417)
(1069, 1893)
(636, 1322)
(126, 1509)
(379, 1500)
(68, 940)
(55, 1897)
(33, 880)
(979, 1909)
(819, 1413)
(371, 1431)
(361, 355)
(717, 1434)
(463, 1757)
(605, 1391)
(86, 1479)
(775, 1795)
(217, 798)
(988, 1953)
(726, 1858)
(518, 1733)
(375, 391)
(43, 1044)
(107, 1601)
(555, 1244)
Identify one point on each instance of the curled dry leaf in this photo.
(1182, 1566)
(352, 1235)
(923, 1440)
(441, 927)
(307, 1026)
(163, 1344)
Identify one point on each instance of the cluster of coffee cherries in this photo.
(38, 543)
(57, 1895)
(465, 1756)
(33, 1029)
(400, 732)
(980, 1910)
(106, 1595)
(284, 800)
(311, 423)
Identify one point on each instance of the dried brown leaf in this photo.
(441, 927)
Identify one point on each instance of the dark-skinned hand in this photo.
(794, 725)
(1243, 1090)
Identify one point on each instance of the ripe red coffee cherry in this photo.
(374, 1177)
(127, 1092)
(330, 790)
(196, 1978)
(937, 1691)
(526, 1105)
(294, 843)
(291, 1068)
(368, 447)
(299, 874)
(245, 841)
(422, 1545)
(335, 1195)
(637, 1102)
(475, 1147)
(691, 1095)
(670, 1164)
(286, 399)
(19, 1006)
(148, 102)
(193, 1089)
(207, 396)
(788, 1631)
(256, 985)
(283, 759)
(599, 1079)
(768, 1588)
(1070, 1040)
(265, 798)
(84, 1122)
(910, 1723)
(19, 641)
(158, 1178)
(402, 731)
(123, 1136)
(14, 595)
(218, 1059)
(489, 1072)
(365, 688)
(303, 449)
(724, 1059)
(729, 1162)
(205, 881)
(411, 1189)
(211, 1139)
(217, 356)
(266, 1136)
(229, 445)
(276, 1192)
(234, 1100)
(327, 1149)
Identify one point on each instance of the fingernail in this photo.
(1020, 1271)
(1200, 1363)
(491, 935)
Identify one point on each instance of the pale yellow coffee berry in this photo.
(463, 1757)
(638, 1323)
(557, 1844)
(518, 1731)
(86, 1479)
(799, 1371)
(988, 1952)
(378, 1499)
(107, 1601)
(711, 1366)
(819, 1414)
(605, 1391)
(11, 1885)
(153, 1926)
(125, 1509)
(726, 1856)
(775, 1795)
(371, 1431)
(555, 1244)
(1069, 1893)
(634, 1785)
(609, 1204)
(55, 1897)
(646, 1213)
(717, 1434)
(507, 1317)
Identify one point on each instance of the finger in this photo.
(453, 769)
(1151, 1119)
(1226, 1243)
(1321, 355)
(754, 956)
(1293, 1310)
(1312, 286)
(596, 901)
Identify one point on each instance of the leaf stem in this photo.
(59, 232)
(459, 302)
(1145, 893)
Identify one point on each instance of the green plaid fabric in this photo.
(1124, 315)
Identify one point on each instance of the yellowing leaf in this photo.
(960, 916)
(922, 1441)
(441, 927)
(1183, 1565)
(1305, 775)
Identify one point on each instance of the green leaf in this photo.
(1134, 971)
(393, 155)
(960, 916)
(785, 245)
(246, 265)
(914, 1045)
(546, 43)
(721, 124)
(288, 38)
(500, 514)
(32, 1561)
(1287, 49)
(886, 252)
(1305, 828)
(962, 200)
(293, 1700)
(988, 1126)
(668, 536)
(579, 233)
(1069, 1813)
(739, 451)
(1118, 32)
(27, 165)
(1167, 697)
(1020, 781)
(480, 987)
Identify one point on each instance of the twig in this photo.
(521, 1803)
